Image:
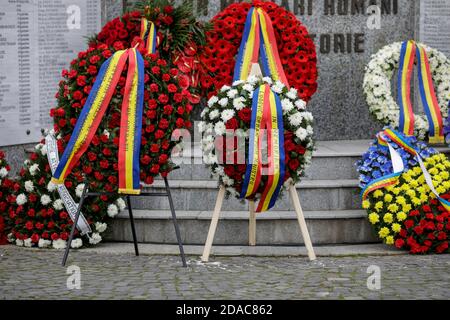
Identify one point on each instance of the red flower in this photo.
(293, 164)
(77, 95)
(232, 124)
(29, 225)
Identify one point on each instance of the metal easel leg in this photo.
(133, 228)
(74, 226)
(175, 223)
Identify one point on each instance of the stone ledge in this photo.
(242, 215)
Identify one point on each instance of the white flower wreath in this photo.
(377, 86)
(228, 105)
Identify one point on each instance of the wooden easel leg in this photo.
(213, 225)
(252, 223)
(301, 221)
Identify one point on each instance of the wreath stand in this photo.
(252, 223)
(87, 194)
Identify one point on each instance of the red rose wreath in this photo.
(296, 49)
(168, 101)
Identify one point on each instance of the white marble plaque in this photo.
(38, 38)
(435, 24)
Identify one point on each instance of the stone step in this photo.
(201, 195)
(272, 228)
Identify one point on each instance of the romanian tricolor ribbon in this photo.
(258, 39)
(131, 119)
(398, 166)
(409, 51)
(148, 35)
(266, 118)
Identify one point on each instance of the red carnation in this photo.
(78, 95)
(232, 124)
(172, 88)
(163, 98)
(294, 164)
(245, 114)
(81, 81)
(154, 148)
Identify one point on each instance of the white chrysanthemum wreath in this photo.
(377, 86)
(230, 109)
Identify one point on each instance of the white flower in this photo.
(121, 204)
(45, 199)
(300, 104)
(214, 114)
(76, 243)
(21, 199)
(292, 94)
(44, 150)
(301, 133)
(286, 105)
(44, 243)
(95, 238)
(201, 126)
(29, 187)
(27, 243)
(225, 88)
(238, 103)
(227, 180)
(3, 172)
(19, 242)
(278, 87)
(223, 102)
(227, 115)
(295, 119)
(34, 169)
(232, 93)
(237, 82)
(79, 190)
(59, 244)
(38, 146)
(112, 210)
(51, 186)
(100, 227)
(58, 204)
(267, 80)
(248, 87)
(106, 133)
(219, 128)
(10, 237)
(212, 101)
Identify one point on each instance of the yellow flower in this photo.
(446, 184)
(378, 193)
(407, 177)
(393, 208)
(411, 193)
(421, 189)
(401, 200)
(389, 240)
(388, 218)
(396, 191)
(416, 201)
(388, 198)
(405, 187)
(384, 232)
(423, 197)
(374, 218)
(433, 171)
(414, 183)
(401, 216)
(444, 174)
(379, 205)
(440, 189)
(407, 207)
(417, 170)
(396, 227)
(365, 204)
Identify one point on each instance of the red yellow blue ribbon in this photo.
(94, 110)
(266, 118)
(258, 39)
(409, 51)
(148, 35)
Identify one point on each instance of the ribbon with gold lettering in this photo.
(148, 35)
(131, 119)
